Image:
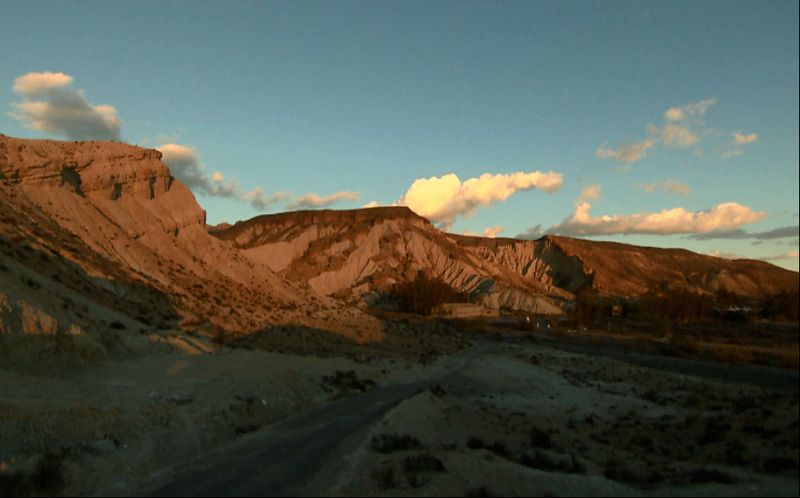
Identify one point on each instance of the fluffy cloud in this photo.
(590, 193)
(669, 221)
(682, 112)
(442, 199)
(786, 255)
(628, 153)
(732, 153)
(313, 200)
(370, 204)
(741, 139)
(724, 255)
(185, 164)
(669, 186)
(533, 232)
(491, 232)
(675, 133)
(678, 136)
(49, 104)
(777, 233)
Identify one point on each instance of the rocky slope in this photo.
(105, 224)
(361, 253)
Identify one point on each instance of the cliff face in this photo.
(116, 215)
(623, 269)
(352, 254)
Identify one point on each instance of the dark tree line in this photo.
(781, 306)
(421, 295)
(681, 306)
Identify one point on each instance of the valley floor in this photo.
(499, 417)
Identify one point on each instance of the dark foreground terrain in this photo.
(553, 415)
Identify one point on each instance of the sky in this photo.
(669, 124)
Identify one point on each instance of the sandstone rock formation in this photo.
(101, 247)
(106, 224)
(356, 254)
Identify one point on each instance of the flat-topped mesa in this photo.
(99, 171)
(335, 217)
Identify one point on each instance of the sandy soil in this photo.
(499, 418)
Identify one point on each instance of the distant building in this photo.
(463, 310)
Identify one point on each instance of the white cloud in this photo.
(533, 232)
(739, 141)
(671, 134)
(442, 199)
(742, 139)
(490, 233)
(260, 200)
(732, 153)
(724, 255)
(370, 204)
(786, 255)
(629, 153)
(50, 105)
(590, 193)
(669, 186)
(682, 112)
(678, 220)
(185, 164)
(312, 200)
(40, 84)
(678, 136)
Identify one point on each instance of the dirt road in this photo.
(282, 459)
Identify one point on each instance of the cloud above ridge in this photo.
(442, 199)
(777, 233)
(668, 186)
(50, 105)
(312, 200)
(677, 220)
(676, 132)
(185, 164)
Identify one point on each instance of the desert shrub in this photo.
(45, 478)
(773, 465)
(498, 447)
(349, 381)
(385, 477)
(702, 476)
(424, 293)
(568, 464)
(390, 443)
(783, 305)
(480, 491)
(540, 439)
(424, 462)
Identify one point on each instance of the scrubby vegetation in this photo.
(421, 295)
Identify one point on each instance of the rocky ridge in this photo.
(362, 253)
(130, 231)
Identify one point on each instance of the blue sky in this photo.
(355, 101)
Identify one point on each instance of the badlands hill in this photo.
(98, 239)
(362, 253)
(100, 233)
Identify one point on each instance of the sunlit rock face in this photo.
(117, 213)
(357, 254)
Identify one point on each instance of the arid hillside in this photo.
(360, 253)
(100, 238)
(95, 233)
